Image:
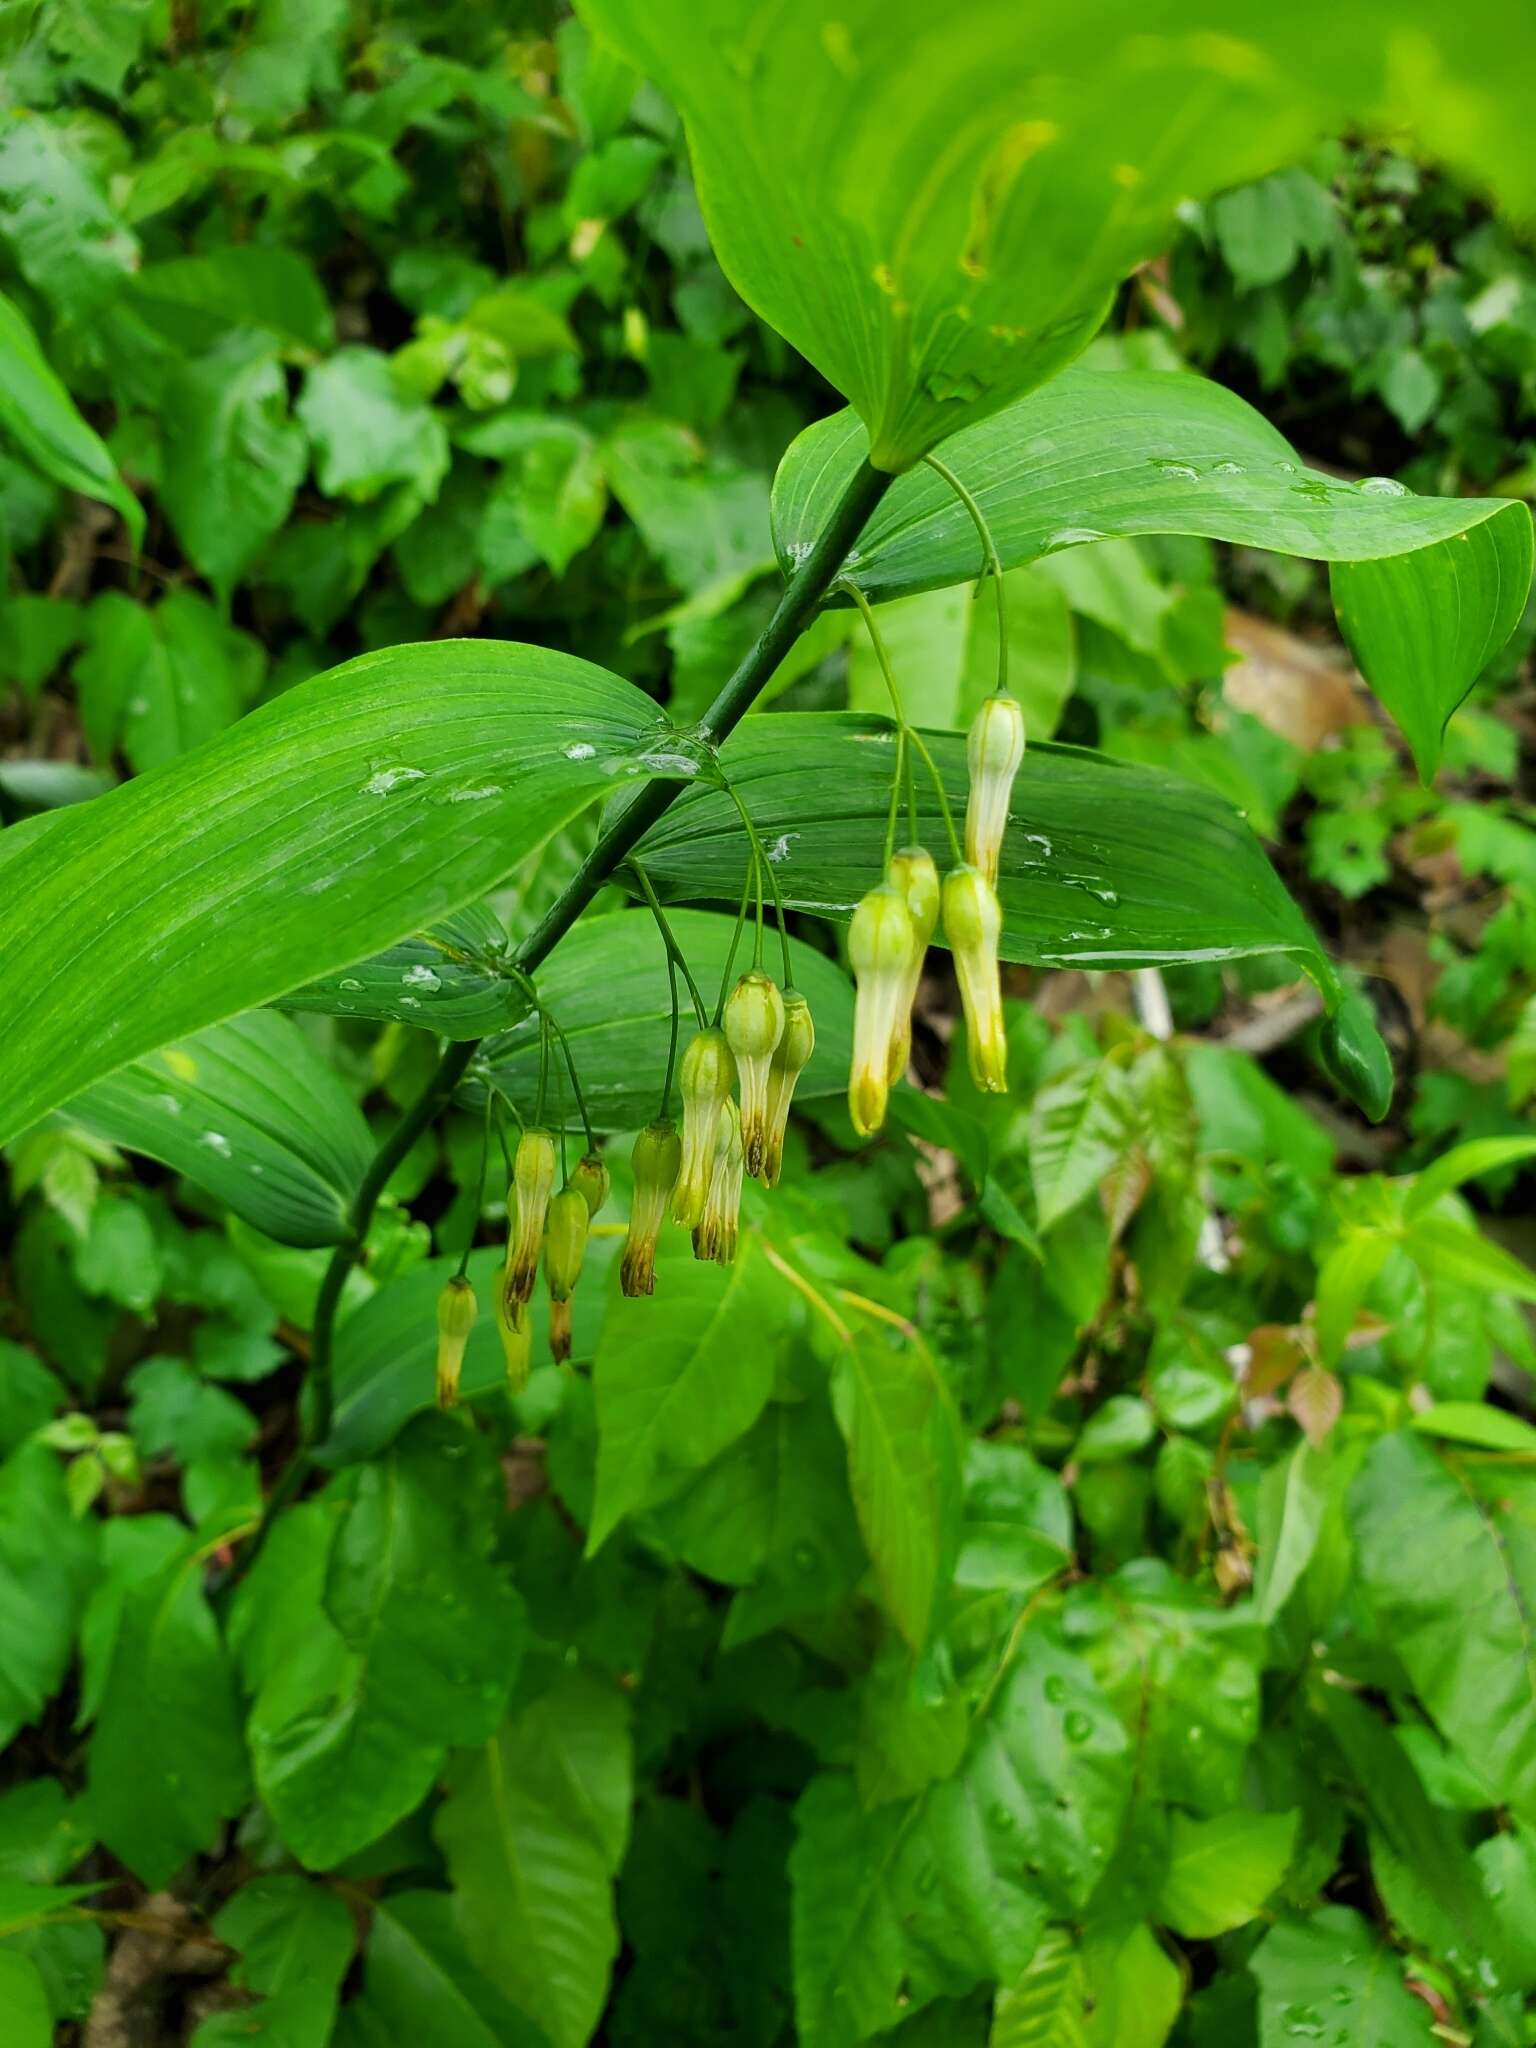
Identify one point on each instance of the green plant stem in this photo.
(764, 867)
(570, 1068)
(615, 842)
(990, 560)
(741, 918)
(905, 729)
(674, 951)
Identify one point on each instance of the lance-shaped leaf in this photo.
(327, 825)
(1427, 589)
(453, 980)
(606, 986)
(249, 1111)
(39, 416)
(935, 205)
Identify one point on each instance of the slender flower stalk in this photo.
(707, 1078)
(533, 1182)
(912, 874)
(656, 1159)
(754, 1025)
(790, 1060)
(973, 925)
(994, 747)
(456, 1312)
(882, 945)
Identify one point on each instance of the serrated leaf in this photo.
(534, 1829)
(234, 459)
(1221, 1871)
(324, 827)
(1081, 1126)
(1333, 1962)
(167, 1764)
(419, 1983)
(679, 1377)
(294, 1941)
(47, 1565)
(1044, 2007)
(249, 1111)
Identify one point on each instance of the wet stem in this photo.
(616, 841)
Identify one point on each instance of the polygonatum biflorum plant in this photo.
(929, 1747)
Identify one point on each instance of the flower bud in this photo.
(790, 1059)
(533, 1181)
(994, 747)
(915, 879)
(973, 925)
(881, 948)
(565, 1246)
(456, 1311)
(754, 1024)
(657, 1155)
(706, 1080)
(715, 1236)
(594, 1181)
(514, 1326)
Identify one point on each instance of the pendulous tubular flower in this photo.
(791, 1058)
(565, 1247)
(707, 1077)
(715, 1235)
(656, 1158)
(973, 925)
(994, 747)
(456, 1311)
(915, 879)
(514, 1326)
(593, 1179)
(533, 1181)
(754, 1024)
(882, 945)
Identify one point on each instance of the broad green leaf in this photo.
(772, 1515)
(534, 1829)
(68, 240)
(419, 1983)
(1134, 1987)
(936, 210)
(1081, 1126)
(904, 1452)
(249, 1111)
(1333, 1963)
(1293, 1500)
(1428, 589)
(908, 1902)
(679, 1376)
(1447, 1249)
(294, 1941)
(1105, 864)
(134, 1550)
(453, 980)
(1017, 1528)
(167, 1764)
(24, 2009)
(43, 1833)
(1475, 1422)
(606, 986)
(47, 1565)
(1424, 626)
(1221, 1871)
(1343, 1281)
(1045, 2006)
(234, 459)
(331, 823)
(1463, 1163)
(199, 300)
(367, 431)
(360, 1686)
(154, 681)
(174, 1410)
(1450, 1575)
(38, 415)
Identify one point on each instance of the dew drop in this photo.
(1226, 469)
(421, 977)
(410, 1002)
(779, 851)
(1002, 1815)
(1078, 1725)
(1071, 537)
(579, 750)
(1055, 1689)
(1185, 472)
(1383, 487)
(383, 780)
(216, 1142)
(476, 793)
(348, 982)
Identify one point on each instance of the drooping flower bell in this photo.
(514, 1326)
(790, 1060)
(914, 877)
(593, 1179)
(973, 925)
(715, 1235)
(533, 1182)
(706, 1079)
(754, 1025)
(565, 1247)
(456, 1312)
(882, 945)
(994, 747)
(656, 1158)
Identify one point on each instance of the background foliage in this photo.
(1066, 1583)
